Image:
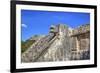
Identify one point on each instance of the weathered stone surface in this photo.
(61, 44)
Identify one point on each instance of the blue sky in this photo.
(35, 22)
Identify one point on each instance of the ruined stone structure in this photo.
(81, 50)
(61, 44)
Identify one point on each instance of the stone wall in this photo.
(81, 49)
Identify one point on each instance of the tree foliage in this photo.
(25, 45)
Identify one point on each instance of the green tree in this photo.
(25, 45)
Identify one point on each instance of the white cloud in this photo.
(24, 25)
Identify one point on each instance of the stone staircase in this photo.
(37, 49)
